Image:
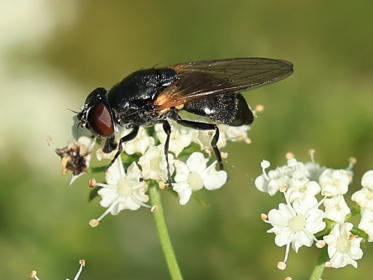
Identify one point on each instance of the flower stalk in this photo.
(320, 265)
(164, 237)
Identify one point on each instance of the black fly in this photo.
(206, 88)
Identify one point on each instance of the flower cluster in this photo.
(315, 210)
(33, 274)
(192, 164)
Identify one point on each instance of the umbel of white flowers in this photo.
(191, 161)
(314, 198)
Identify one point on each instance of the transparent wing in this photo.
(199, 79)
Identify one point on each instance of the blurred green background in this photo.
(53, 53)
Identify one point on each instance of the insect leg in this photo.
(203, 126)
(110, 145)
(167, 130)
(126, 138)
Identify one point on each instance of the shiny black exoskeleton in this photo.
(206, 88)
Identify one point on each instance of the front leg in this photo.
(167, 130)
(122, 140)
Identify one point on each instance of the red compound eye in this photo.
(100, 120)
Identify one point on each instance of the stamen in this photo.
(320, 244)
(265, 164)
(154, 208)
(82, 264)
(224, 155)
(288, 278)
(281, 265)
(287, 253)
(264, 217)
(283, 189)
(259, 108)
(312, 152)
(74, 177)
(328, 264)
(289, 155)
(33, 275)
(139, 201)
(92, 183)
(94, 222)
(352, 161)
(248, 141)
(321, 201)
(352, 236)
(162, 185)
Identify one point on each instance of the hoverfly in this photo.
(206, 88)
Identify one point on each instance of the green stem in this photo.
(164, 238)
(320, 265)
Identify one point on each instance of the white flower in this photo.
(194, 175)
(101, 155)
(336, 208)
(366, 223)
(300, 188)
(226, 133)
(292, 175)
(180, 138)
(364, 198)
(272, 181)
(367, 180)
(314, 170)
(334, 182)
(343, 247)
(122, 190)
(295, 224)
(139, 144)
(154, 165)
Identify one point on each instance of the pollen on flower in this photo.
(82, 262)
(320, 244)
(281, 265)
(283, 189)
(94, 222)
(288, 278)
(92, 183)
(312, 153)
(154, 208)
(248, 141)
(289, 155)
